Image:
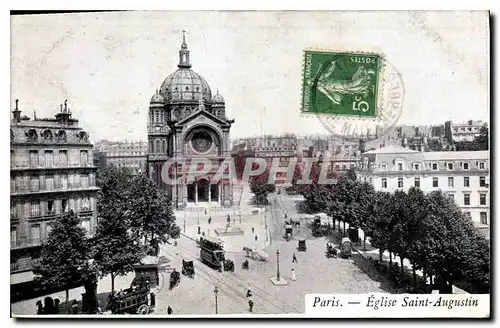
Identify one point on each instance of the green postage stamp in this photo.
(341, 83)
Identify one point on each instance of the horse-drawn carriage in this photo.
(255, 254)
(288, 232)
(132, 301)
(228, 265)
(175, 278)
(188, 268)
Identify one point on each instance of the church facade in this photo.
(186, 122)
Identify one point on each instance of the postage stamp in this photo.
(341, 83)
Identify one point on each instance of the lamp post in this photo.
(216, 290)
(198, 211)
(278, 264)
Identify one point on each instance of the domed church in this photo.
(187, 122)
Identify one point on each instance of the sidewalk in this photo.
(373, 253)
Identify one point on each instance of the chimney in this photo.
(17, 112)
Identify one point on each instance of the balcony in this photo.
(28, 242)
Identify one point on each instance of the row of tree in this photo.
(134, 217)
(429, 230)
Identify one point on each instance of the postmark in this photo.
(354, 94)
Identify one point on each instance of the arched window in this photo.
(151, 146)
(157, 116)
(157, 146)
(164, 147)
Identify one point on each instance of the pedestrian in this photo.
(256, 238)
(253, 229)
(250, 305)
(169, 310)
(209, 220)
(205, 211)
(56, 306)
(74, 307)
(293, 278)
(199, 230)
(249, 291)
(39, 307)
(294, 258)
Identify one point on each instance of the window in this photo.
(384, 183)
(452, 196)
(400, 182)
(85, 180)
(417, 182)
(482, 182)
(337, 167)
(49, 181)
(481, 165)
(84, 157)
(434, 166)
(450, 166)
(483, 217)
(435, 182)
(416, 167)
(164, 147)
(344, 167)
(49, 158)
(451, 182)
(34, 183)
(13, 236)
(64, 205)
(50, 207)
(48, 229)
(466, 166)
(157, 116)
(400, 166)
(85, 204)
(64, 181)
(482, 199)
(33, 158)
(157, 146)
(35, 234)
(35, 208)
(86, 225)
(63, 158)
(384, 167)
(467, 214)
(466, 182)
(466, 199)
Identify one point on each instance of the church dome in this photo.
(157, 98)
(218, 98)
(185, 84)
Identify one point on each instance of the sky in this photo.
(108, 65)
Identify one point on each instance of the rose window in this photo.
(201, 142)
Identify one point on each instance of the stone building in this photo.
(466, 131)
(51, 172)
(462, 175)
(187, 122)
(123, 154)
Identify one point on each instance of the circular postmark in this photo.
(355, 95)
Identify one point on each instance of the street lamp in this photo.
(278, 264)
(216, 290)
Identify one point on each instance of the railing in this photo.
(29, 242)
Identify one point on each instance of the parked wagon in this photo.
(288, 231)
(346, 247)
(188, 268)
(302, 245)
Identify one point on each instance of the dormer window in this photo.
(61, 135)
(32, 135)
(416, 167)
(383, 167)
(83, 136)
(466, 166)
(481, 165)
(47, 134)
(434, 166)
(450, 166)
(400, 166)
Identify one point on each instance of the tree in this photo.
(150, 212)
(65, 255)
(381, 222)
(434, 145)
(116, 248)
(479, 143)
(261, 188)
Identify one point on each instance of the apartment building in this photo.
(51, 172)
(123, 154)
(463, 176)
